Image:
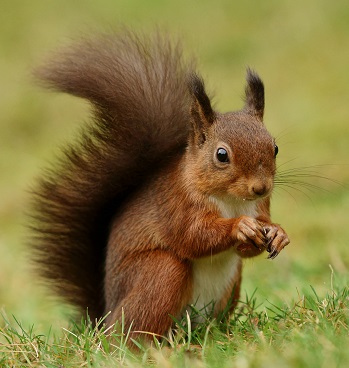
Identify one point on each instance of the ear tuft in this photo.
(202, 114)
(254, 94)
(197, 89)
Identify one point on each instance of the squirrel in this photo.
(156, 205)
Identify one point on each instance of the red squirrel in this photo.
(154, 208)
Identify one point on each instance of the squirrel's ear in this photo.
(254, 94)
(202, 115)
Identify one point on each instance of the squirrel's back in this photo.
(138, 88)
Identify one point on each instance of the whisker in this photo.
(306, 172)
(293, 181)
(287, 191)
(286, 162)
(284, 133)
(282, 185)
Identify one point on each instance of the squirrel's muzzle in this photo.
(260, 188)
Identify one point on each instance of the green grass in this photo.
(300, 49)
(311, 333)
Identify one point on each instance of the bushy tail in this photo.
(138, 88)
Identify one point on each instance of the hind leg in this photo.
(160, 287)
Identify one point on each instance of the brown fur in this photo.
(120, 224)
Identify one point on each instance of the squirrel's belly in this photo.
(212, 277)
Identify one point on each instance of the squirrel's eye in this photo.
(222, 155)
(276, 150)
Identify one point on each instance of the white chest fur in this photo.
(212, 275)
(231, 208)
(211, 278)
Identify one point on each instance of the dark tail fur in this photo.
(138, 88)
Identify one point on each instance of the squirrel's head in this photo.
(233, 153)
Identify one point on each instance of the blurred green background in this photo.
(301, 51)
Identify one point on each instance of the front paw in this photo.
(277, 239)
(248, 230)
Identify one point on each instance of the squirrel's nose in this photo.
(259, 189)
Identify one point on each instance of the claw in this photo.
(273, 254)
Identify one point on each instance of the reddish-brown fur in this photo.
(144, 207)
